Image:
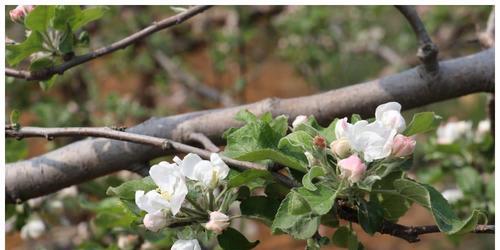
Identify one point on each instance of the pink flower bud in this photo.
(403, 146)
(319, 142)
(155, 221)
(352, 168)
(18, 14)
(218, 222)
(341, 148)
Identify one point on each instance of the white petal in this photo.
(178, 197)
(219, 165)
(165, 176)
(203, 172)
(386, 107)
(186, 245)
(177, 160)
(188, 164)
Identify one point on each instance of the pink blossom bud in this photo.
(352, 168)
(403, 146)
(155, 221)
(340, 148)
(218, 222)
(319, 142)
(18, 14)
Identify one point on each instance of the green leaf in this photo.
(370, 216)
(428, 197)
(276, 190)
(355, 118)
(232, 239)
(312, 127)
(248, 176)
(66, 42)
(64, 14)
(274, 155)
(320, 200)
(47, 84)
(14, 116)
(111, 213)
(394, 205)
(39, 18)
(422, 122)
(298, 226)
(41, 63)
(261, 207)
(127, 189)
(341, 236)
(308, 178)
(297, 205)
(469, 181)
(86, 16)
(18, 52)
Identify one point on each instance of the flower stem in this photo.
(195, 205)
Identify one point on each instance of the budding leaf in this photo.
(39, 19)
(14, 116)
(127, 189)
(308, 178)
(261, 207)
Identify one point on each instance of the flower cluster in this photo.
(164, 203)
(363, 142)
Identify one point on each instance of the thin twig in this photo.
(427, 51)
(410, 234)
(125, 42)
(205, 141)
(191, 82)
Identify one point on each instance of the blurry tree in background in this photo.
(235, 55)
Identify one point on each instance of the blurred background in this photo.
(224, 57)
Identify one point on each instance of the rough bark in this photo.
(91, 158)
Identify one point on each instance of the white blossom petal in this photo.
(186, 245)
(219, 165)
(188, 165)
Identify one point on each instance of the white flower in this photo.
(33, 229)
(186, 245)
(452, 131)
(127, 241)
(341, 128)
(207, 172)
(389, 114)
(299, 120)
(483, 128)
(218, 222)
(170, 194)
(373, 140)
(155, 221)
(452, 195)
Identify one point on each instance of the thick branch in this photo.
(428, 51)
(125, 42)
(91, 158)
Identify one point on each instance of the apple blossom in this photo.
(218, 222)
(341, 128)
(18, 14)
(186, 245)
(299, 120)
(33, 229)
(389, 114)
(352, 168)
(403, 146)
(207, 172)
(452, 131)
(171, 192)
(483, 128)
(373, 140)
(340, 148)
(155, 221)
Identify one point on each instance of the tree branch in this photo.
(427, 51)
(91, 158)
(409, 233)
(125, 42)
(205, 141)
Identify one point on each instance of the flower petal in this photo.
(219, 165)
(188, 164)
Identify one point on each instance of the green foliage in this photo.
(18, 52)
(260, 207)
(431, 199)
(422, 122)
(127, 190)
(39, 19)
(233, 239)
